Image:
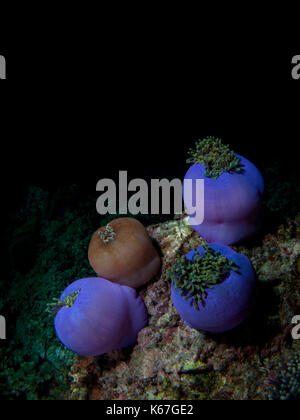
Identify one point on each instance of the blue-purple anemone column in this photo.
(227, 304)
(232, 203)
(105, 316)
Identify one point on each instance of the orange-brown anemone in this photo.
(122, 252)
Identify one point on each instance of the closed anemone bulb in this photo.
(99, 316)
(123, 253)
(212, 288)
(233, 191)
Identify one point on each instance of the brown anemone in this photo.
(122, 252)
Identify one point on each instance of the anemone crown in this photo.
(107, 234)
(201, 273)
(216, 157)
(68, 301)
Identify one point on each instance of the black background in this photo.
(76, 113)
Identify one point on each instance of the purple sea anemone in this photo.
(233, 190)
(212, 288)
(99, 316)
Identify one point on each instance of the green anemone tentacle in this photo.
(216, 157)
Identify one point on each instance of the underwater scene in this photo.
(144, 289)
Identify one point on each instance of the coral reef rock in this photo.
(173, 361)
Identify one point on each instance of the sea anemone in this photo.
(122, 252)
(233, 190)
(97, 316)
(212, 287)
